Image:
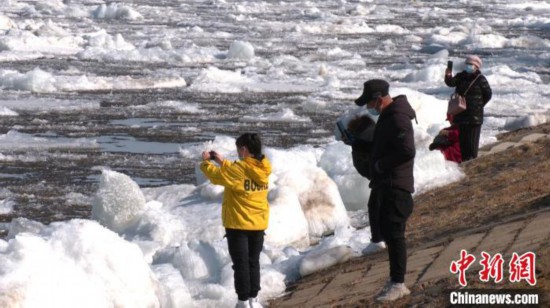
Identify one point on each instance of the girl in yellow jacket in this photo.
(245, 210)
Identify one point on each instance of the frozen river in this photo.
(94, 72)
(143, 77)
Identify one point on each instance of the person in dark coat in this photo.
(392, 181)
(470, 120)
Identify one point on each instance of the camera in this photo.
(212, 155)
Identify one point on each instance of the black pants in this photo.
(468, 137)
(244, 248)
(396, 206)
(374, 217)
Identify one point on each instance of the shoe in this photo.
(254, 303)
(394, 292)
(385, 288)
(242, 304)
(373, 247)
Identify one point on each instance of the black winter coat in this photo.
(477, 97)
(393, 150)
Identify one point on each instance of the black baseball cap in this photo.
(372, 89)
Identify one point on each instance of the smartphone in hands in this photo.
(348, 137)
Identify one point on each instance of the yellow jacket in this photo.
(244, 205)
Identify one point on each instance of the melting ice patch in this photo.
(39, 81)
(331, 28)
(14, 140)
(285, 115)
(6, 206)
(4, 111)
(39, 104)
(213, 79)
(118, 202)
(6, 23)
(50, 6)
(41, 42)
(526, 121)
(36, 80)
(324, 259)
(177, 106)
(88, 83)
(76, 263)
(241, 50)
(115, 11)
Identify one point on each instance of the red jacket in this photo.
(452, 152)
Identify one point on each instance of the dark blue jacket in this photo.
(393, 150)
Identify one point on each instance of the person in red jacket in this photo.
(447, 141)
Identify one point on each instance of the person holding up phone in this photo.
(478, 93)
(449, 66)
(245, 210)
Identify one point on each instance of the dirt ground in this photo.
(497, 188)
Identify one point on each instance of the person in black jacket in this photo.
(470, 120)
(392, 181)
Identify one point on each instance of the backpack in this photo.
(363, 129)
(361, 161)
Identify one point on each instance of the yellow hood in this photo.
(258, 170)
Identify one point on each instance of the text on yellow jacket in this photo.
(244, 205)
